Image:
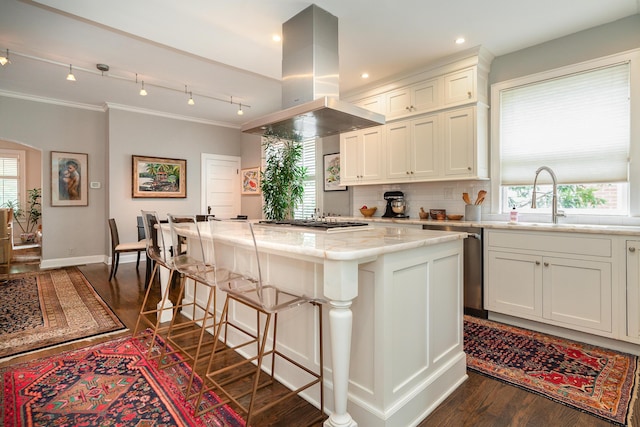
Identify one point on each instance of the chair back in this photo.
(157, 250)
(6, 235)
(141, 233)
(115, 239)
(192, 252)
(238, 267)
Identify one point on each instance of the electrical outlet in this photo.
(448, 193)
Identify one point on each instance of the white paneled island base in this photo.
(395, 344)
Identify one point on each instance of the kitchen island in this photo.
(395, 347)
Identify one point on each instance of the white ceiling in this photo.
(223, 48)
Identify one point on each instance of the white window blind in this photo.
(9, 178)
(307, 208)
(576, 124)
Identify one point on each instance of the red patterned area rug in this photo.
(591, 379)
(39, 310)
(108, 384)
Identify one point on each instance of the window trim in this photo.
(22, 171)
(633, 57)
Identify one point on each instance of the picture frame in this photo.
(69, 179)
(158, 177)
(250, 181)
(331, 173)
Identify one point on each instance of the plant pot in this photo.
(27, 237)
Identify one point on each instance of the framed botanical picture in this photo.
(69, 179)
(158, 177)
(332, 173)
(250, 181)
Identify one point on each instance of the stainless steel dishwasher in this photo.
(473, 277)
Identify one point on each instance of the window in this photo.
(11, 169)
(575, 121)
(308, 206)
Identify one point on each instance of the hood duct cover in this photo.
(310, 82)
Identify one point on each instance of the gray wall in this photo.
(145, 135)
(334, 202)
(596, 42)
(79, 230)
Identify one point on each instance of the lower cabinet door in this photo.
(578, 293)
(514, 284)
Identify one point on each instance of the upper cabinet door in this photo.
(415, 99)
(460, 87)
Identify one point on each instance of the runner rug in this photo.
(39, 310)
(591, 379)
(108, 384)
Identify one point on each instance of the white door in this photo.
(221, 185)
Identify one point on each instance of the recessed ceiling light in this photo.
(365, 75)
(460, 40)
(276, 37)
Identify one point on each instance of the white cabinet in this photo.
(412, 149)
(415, 99)
(633, 288)
(361, 156)
(460, 87)
(516, 283)
(564, 279)
(374, 103)
(465, 145)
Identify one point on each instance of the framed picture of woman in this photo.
(69, 179)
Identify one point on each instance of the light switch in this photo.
(95, 184)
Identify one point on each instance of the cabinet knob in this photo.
(407, 172)
(411, 172)
(469, 94)
(408, 108)
(468, 168)
(546, 264)
(537, 262)
(632, 249)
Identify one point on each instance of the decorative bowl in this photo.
(438, 213)
(454, 217)
(368, 212)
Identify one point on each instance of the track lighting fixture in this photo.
(143, 91)
(102, 69)
(4, 60)
(70, 76)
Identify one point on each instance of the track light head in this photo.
(4, 60)
(240, 112)
(143, 92)
(70, 76)
(191, 101)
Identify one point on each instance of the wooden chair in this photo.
(6, 236)
(239, 275)
(117, 248)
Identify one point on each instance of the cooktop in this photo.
(328, 226)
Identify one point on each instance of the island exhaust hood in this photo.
(310, 83)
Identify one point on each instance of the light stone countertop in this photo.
(340, 246)
(505, 225)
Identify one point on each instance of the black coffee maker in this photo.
(396, 205)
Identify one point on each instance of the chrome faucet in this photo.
(555, 213)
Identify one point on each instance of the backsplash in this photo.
(448, 195)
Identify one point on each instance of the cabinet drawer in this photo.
(575, 244)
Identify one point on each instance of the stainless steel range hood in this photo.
(310, 84)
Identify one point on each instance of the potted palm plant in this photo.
(27, 218)
(282, 180)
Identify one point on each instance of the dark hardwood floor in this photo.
(480, 401)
